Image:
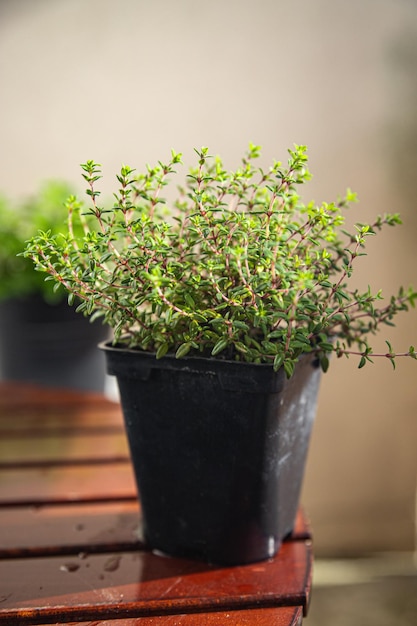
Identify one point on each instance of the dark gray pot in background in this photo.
(219, 450)
(50, 345)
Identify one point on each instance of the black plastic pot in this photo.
(50, 345)
(219, 450)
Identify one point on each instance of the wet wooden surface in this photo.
(70, 532)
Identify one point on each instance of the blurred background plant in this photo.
(20, 220)
(42, 339)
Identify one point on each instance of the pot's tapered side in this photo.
(219, 450)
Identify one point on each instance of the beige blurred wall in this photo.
(126, 81)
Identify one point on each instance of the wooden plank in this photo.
(283, 616)
(61, 419)
(84, 527)
(137, 583)
(27, 409)
(88, 483)
(41, 420)
(63, 529)
(18, 396)
(60, 450)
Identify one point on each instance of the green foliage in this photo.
(19, 222)
(238, 267)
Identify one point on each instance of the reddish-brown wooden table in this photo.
(70, 542)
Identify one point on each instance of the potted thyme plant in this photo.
(226, 305)
(42, 340)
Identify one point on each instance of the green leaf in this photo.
(183, 350)
(199, 317)
(240, 325)
(324, 363)
(220, 346)
(389, 346)
(162, 350)
(362, 362)
(189, 300)
(326, 346)
(278, 361)
(289, 368)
